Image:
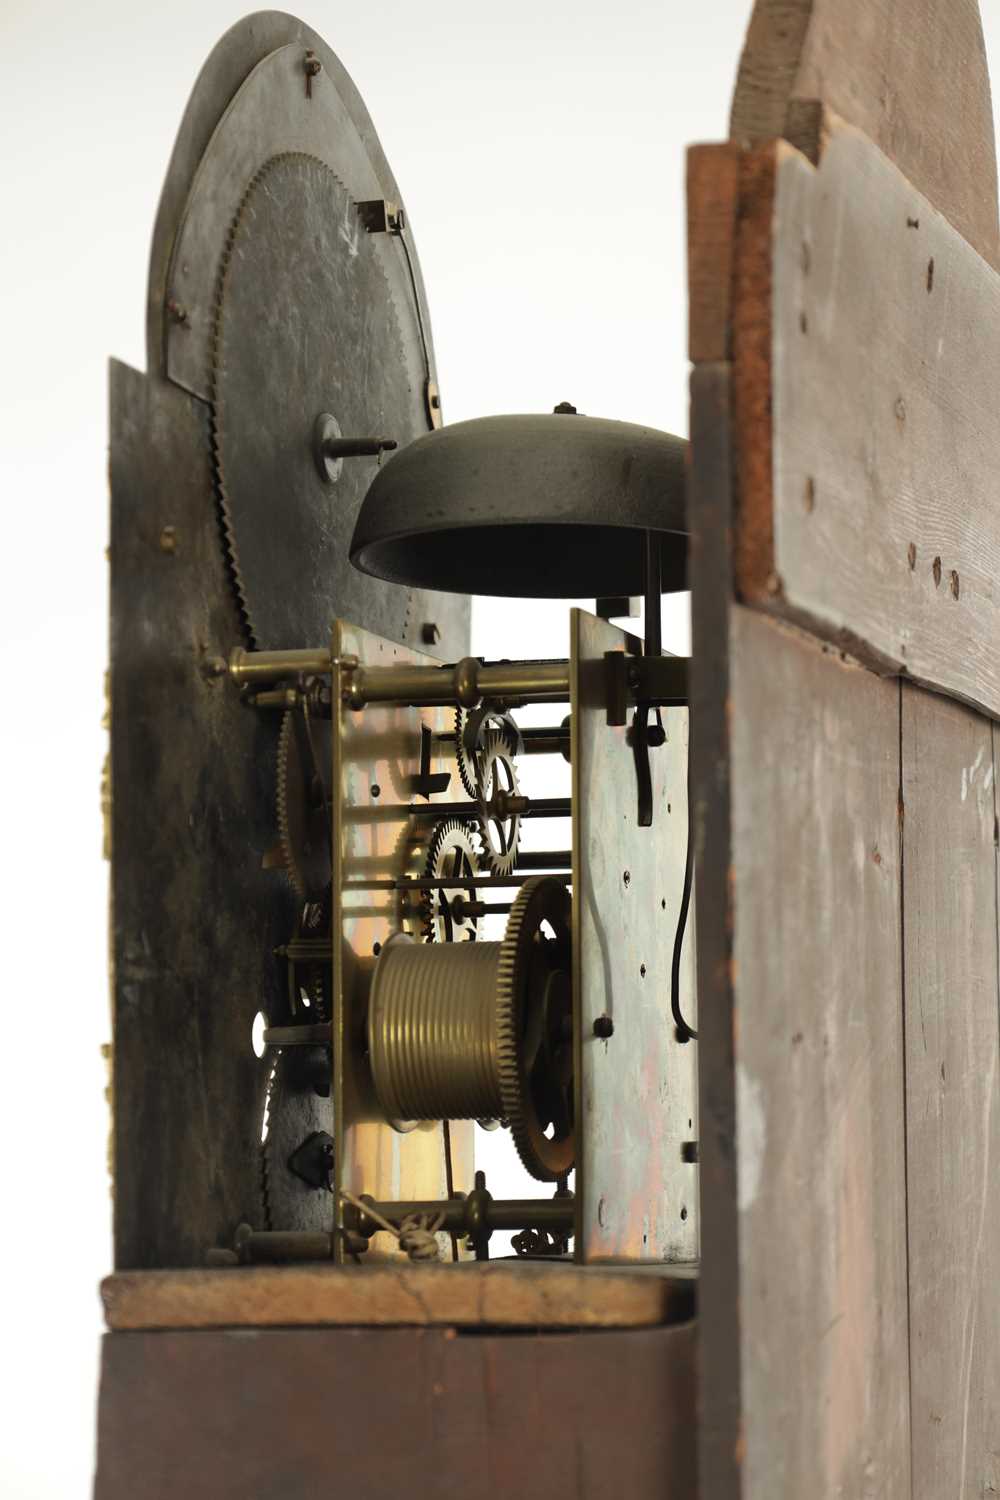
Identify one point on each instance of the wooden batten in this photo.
(866, 343)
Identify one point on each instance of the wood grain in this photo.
(713, 182)
(867, 346)
(298, 1414)
(503, 1295)
(953, 1097)
(912, 76)
(710, 565)
(819, 1071)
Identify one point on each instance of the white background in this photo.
(540, 151)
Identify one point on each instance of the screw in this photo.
(312, 66)
(214, 666)
(177, 313)
(168, 539)
(564, 409)
(604, 1027)
(627, 877)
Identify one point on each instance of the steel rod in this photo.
(653, 645)
(319, 1034)
(533, 807)
(534, 741)
(545, 859)
(478, 1212)
(366, 447)
(448, 882)
(465, 683)
(555, 1214)
(277, 1246)
(271, 666)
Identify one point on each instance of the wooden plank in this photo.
(867, 346)
(912, 76)
(953, 1097)
(713, 185)
(304, 1413)
(504, 1295)
(710, 566)
(819, 1077)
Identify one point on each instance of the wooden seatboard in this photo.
(501, 1294)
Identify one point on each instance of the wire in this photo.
(449, 1177)
(401, 236)
(685, 1033)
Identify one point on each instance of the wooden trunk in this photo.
(302, 1414)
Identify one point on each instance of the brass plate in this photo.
(375, 752)
(636, 1199)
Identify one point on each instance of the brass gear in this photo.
(534, 1028)
(451, 852)
(303, 831)
(499, 831)
(470, 730)
(310, 980)
(293, 1110)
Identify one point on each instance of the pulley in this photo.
(462, 1031)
